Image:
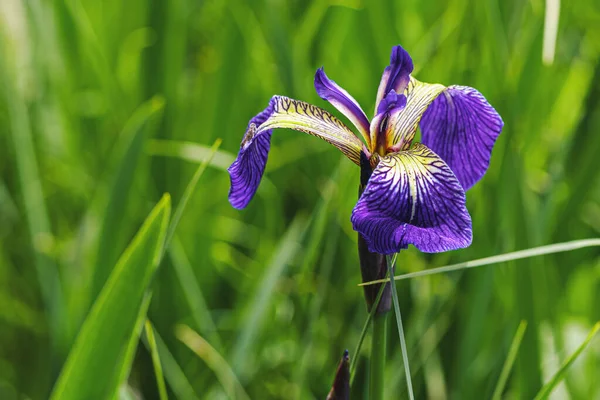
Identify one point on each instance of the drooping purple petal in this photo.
(413, 198)
(283, 112)
(462, 127)
(342, 100)
(247, 170)
(396, 75)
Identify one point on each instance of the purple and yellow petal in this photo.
(300, 116)
(343, 101)
(390, 105)
(283, 112)
(396, 75)
(462, 127)
(403, 125)
(413, 198)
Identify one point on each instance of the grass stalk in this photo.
(510, 360)
(378, 346)
(363, 333)
(391, 262)
(515, 255)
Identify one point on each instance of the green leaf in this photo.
(92, 370)
(547, 389)
(127, 153)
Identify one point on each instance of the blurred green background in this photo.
(106, 105)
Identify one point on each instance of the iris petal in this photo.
(462, 127)
(413, 198)
(343, 101)
(396, 75)
(247, 169)
(402, 125)
(390, 105)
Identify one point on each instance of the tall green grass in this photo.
(105, 106)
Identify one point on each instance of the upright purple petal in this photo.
(247, 170)
(342, 100)
(390, 106)
(413, 198)
(462, 127)
(396, 75)
(392, 102)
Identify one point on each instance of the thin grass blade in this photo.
(510, 360)
(189, 190)
(158, 371)
(391, 262)
(35, 209)
(188, 151)
(175, 376)
(256, 311)
(193, 293)
(363, 333)
(547, 389)
(516, 255)
(125, 363)
(214, 360)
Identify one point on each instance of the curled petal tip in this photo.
(396, 75)
(247, 170)
(319, 75)
(401, 56)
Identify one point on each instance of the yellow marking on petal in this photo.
(418, 169)
(403, 125)
(413, 188)
(298, 115)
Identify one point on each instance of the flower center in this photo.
(381, 147)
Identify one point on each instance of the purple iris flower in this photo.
(415, 192)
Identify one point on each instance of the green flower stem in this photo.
(376, 383)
